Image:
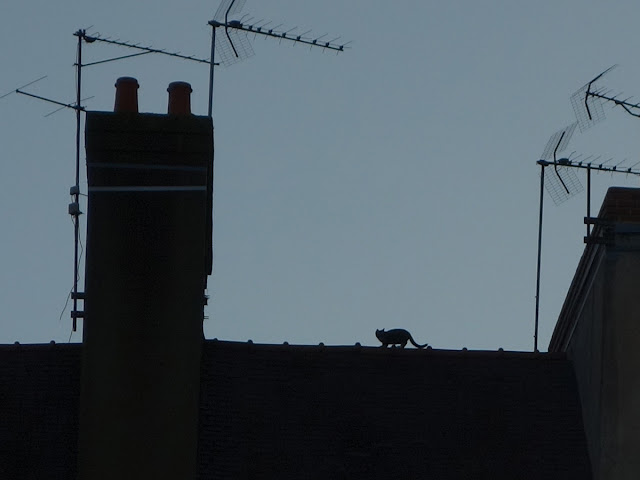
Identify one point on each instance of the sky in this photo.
(392, 185)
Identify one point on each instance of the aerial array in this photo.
(558, 174)
(232, 46)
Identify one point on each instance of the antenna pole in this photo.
(588, 200)
(209, 240)
(76, 189)
(535, 332)
(211, 65)
(78, 117)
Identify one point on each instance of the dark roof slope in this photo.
(363, 412)
(39, 393)
(283, 411)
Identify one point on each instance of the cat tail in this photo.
(415, 344)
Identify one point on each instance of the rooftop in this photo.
(287, 411)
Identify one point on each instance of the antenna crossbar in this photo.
(68, 105)
(72, 105)
(622, 103)
(564, 162)
(122, 57)
(97, 38)
(281, 35)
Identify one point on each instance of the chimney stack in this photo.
(146, 268)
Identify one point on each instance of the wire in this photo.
(66, 303)
(80, 256)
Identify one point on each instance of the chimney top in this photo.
(621, 204)
(179, 98)
(126, 95)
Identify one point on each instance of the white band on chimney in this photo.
(142, 166)
(143, 188)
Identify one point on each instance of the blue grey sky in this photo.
(393, 185)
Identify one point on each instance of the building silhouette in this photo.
(599, 332)
(146, 396)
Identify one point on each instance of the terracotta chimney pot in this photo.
(126, 95)
(179, 98)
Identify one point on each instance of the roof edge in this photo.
(378, 350)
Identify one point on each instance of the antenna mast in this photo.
(234, 46)
(588, 105)
(74, 207)
(561, 185)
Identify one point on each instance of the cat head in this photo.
(379, 332)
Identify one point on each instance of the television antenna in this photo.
(588, 105)
(557, 191)
(233, 46)
(561, 185)
(588, 102)
(74, 206)
(563, 182)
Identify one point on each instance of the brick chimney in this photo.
(146, 268)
